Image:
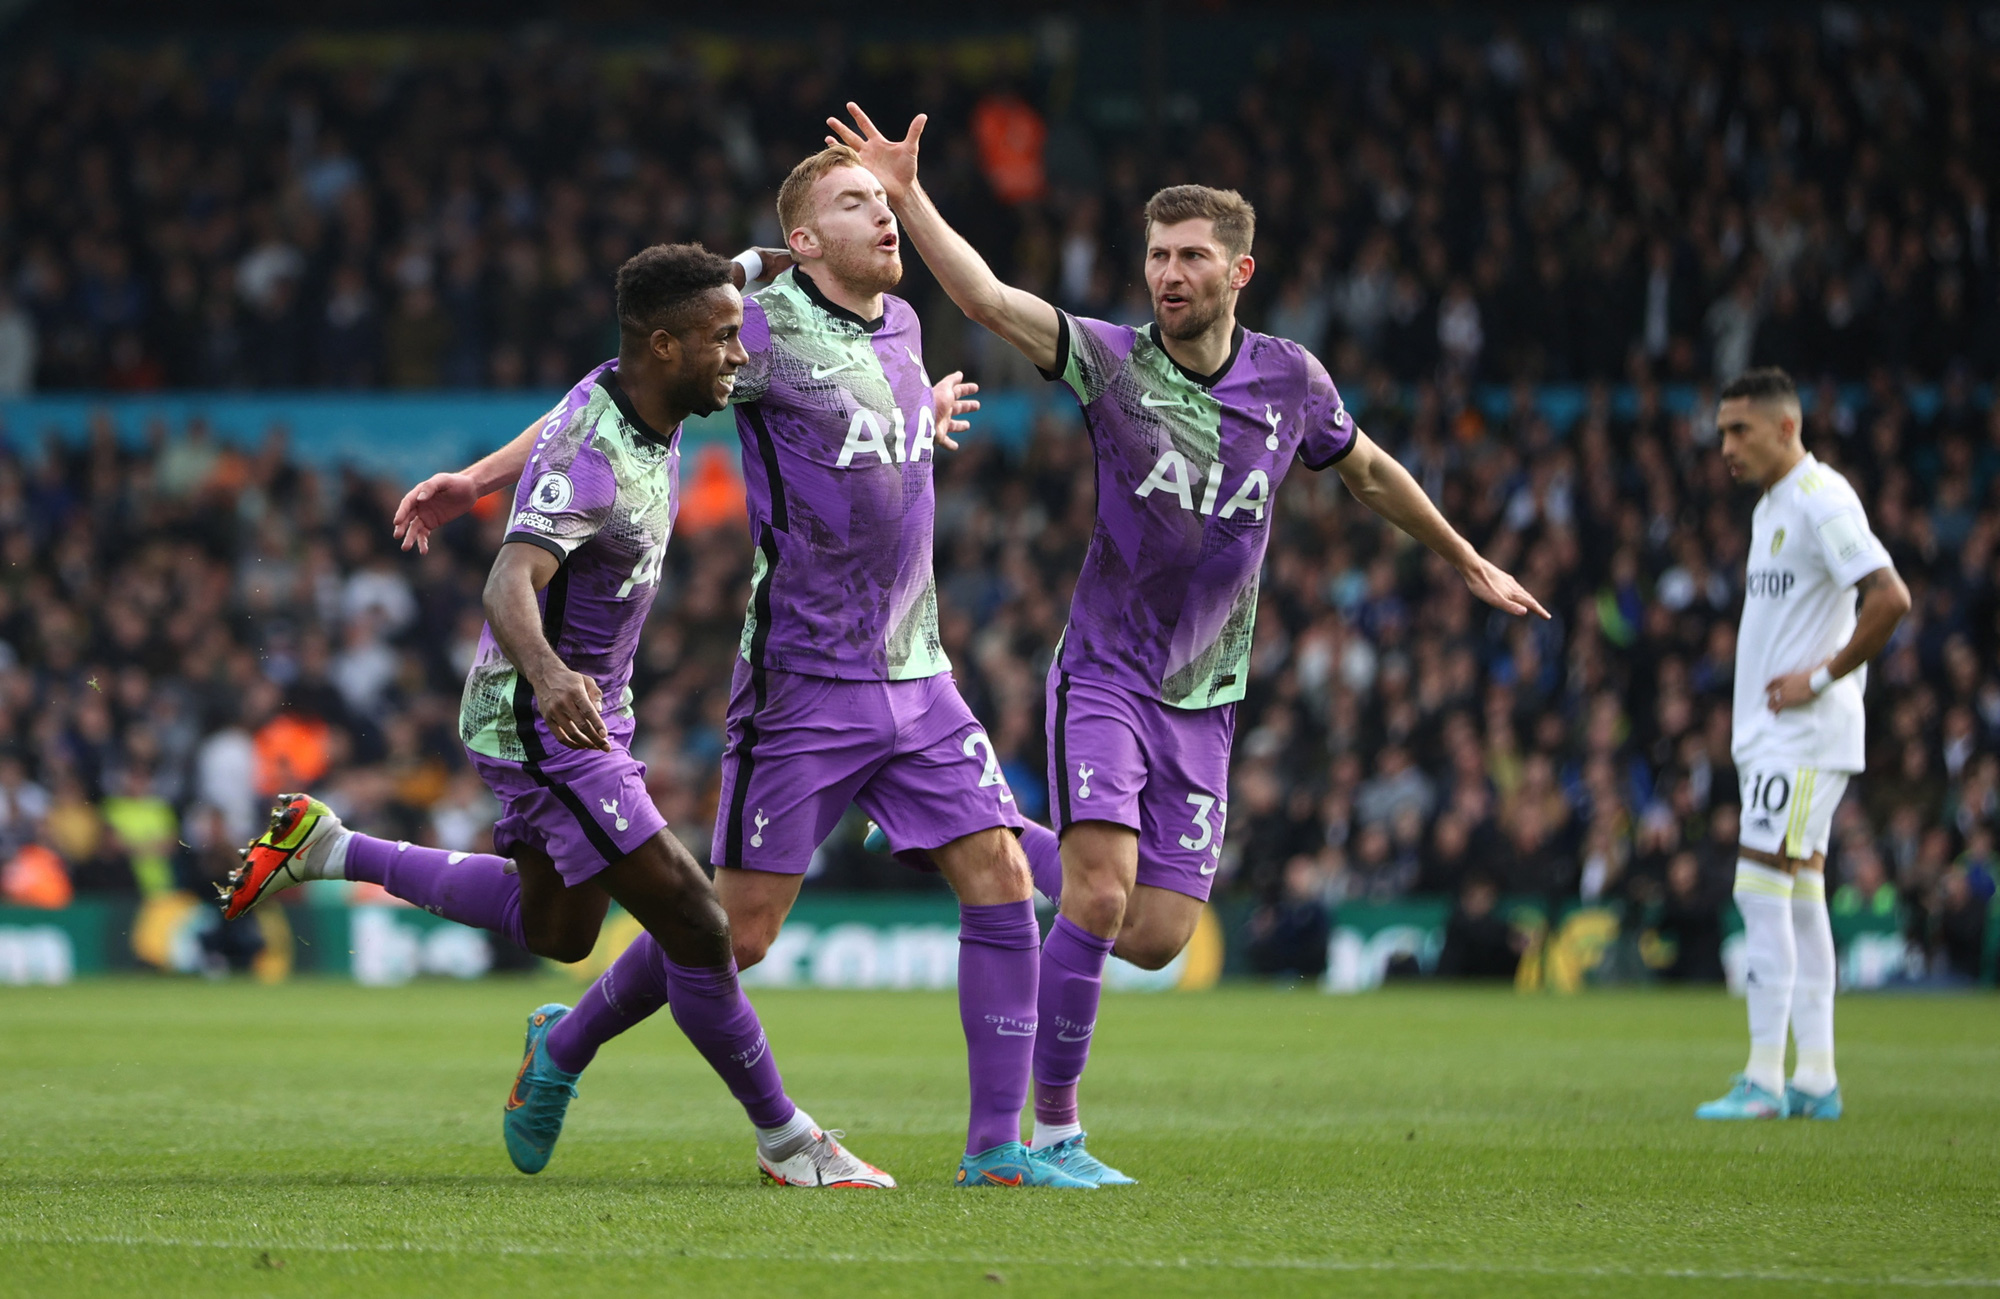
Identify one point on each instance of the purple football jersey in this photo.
(838, 429)
(1186, 468)
(600, 493)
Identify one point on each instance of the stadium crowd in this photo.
(188, 627)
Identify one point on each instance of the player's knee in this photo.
(566, 948)
(1095, 905)
(1148, 951)
(986, 867)
(749, 949)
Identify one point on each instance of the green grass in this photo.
(323, 1139)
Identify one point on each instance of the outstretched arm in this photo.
(1384, 486)
(1884, 601)
(441, 498)
(1023, 319)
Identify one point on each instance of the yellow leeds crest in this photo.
(1777, 540)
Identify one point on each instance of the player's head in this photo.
(1197, 256)
(836, 219)
(1759, 419)
(679, 315)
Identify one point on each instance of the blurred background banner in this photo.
(856, 941)
(255, 281)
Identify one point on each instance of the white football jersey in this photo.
(1809, 544)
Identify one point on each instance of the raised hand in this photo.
(894, 162)
(430, 505)
(952, 399)
(1498, 588)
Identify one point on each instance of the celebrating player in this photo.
(1801, 656)
(1194, 422)
(842, 692)
(547, 719)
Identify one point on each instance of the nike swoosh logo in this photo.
(1208, 870)
(819, 373)
(1008, 1032)
(514, 1101)
(1015, 1180)
(1064, 1037)
(1147, 399)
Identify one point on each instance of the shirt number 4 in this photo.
(647, 571)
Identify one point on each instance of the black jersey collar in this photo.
(1205, 380)
(609, 381)
(838, 312)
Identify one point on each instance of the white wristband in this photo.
(1819, 680)
(752, 263)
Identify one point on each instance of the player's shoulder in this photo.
(1821, 490)
(1280, 358)
(780, 307)
(573, 421)
(1107, 330)
(1096, 350)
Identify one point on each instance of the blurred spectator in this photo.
(1691, 918)
(1867, 891)
(1288, 935)
(18, 347)
(1958, 927)
(145, 829)
(1479, 943)
(35, 877)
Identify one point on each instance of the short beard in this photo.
(695, 396)
(857, 271)
(1198, 320)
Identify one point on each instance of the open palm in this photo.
(893, 162)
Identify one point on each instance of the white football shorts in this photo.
(1789, 810)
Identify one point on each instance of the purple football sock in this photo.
(1044, 859)
(711, 1009)
(997, 968)
(472, 888)
(632, 988)
(1072, 977)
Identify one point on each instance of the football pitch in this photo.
(316, 1139)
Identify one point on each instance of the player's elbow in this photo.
(985, 309)
(1896, 595)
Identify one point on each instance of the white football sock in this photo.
(1764, 898)
(1812, 991)
(787, 1139)
(325, 860)
(1047, 1134)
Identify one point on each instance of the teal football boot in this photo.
(1805, 1105)
(1009, 1164)
(541, 1095)
(1746, 1100)
(1070, 1156)
(875, 841)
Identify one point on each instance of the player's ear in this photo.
(1241, 269)
(666, 348)
(803, 243)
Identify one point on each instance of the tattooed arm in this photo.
(1884, 601)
